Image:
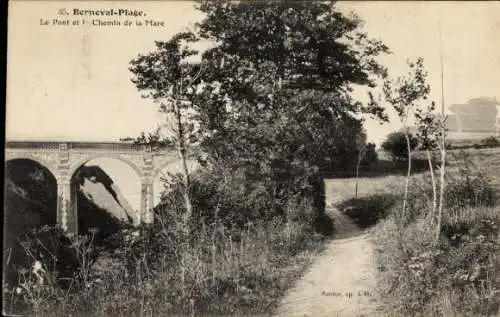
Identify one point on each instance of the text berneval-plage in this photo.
(108, 12)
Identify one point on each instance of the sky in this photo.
(68, 82)
(73, 83)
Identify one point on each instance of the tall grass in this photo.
(458, 275)
(220, 268)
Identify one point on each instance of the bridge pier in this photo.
(146, 201)
(67, 206)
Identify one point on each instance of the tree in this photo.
(428, 132)
(274, 99)
(171, 79)
(370, 155)
(405, 94)
(288, 62)
(366, 156)
(278, 101)
(490, 141)
(396, 145)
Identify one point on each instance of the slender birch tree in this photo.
(405, 94)
(167, 76)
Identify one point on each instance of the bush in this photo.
(227, 264)
(471, 186)
(490, 142)
(457, 275)
(396, 145)
(55, 267)
(466, 187)
(370, 156)
(367, 211)
(234, 201)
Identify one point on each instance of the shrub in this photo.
(370, 155)
(55, 266)
(490, 142)
(231, 199)
(227, 264)
(457, 275)
(467, 186)
(396, 145)
(471, 186)
(367, 211)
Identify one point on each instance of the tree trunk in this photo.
(442, 184)
(360, 156)
(433, 180)
(182, 154)
(408, 173)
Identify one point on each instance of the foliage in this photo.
(456, 275)
(154, 139)
(226, 268)
(406, 93)
(428, 127)
(471, 187)
(270, 105)
(55, 266)
(490, 142)
(370, 155)
(395, 144)
(169, 78)
(367, 211)
(284, 90)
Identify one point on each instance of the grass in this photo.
(219, 271)
(458, 275)
(212, 269)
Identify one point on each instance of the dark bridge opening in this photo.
(30, 202)
(99, 201)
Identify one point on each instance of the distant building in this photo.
(477, 115)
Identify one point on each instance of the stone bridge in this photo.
(63, 159)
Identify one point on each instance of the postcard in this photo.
(252, 158)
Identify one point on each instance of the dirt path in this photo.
(341, 281)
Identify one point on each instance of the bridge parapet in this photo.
(83, 146)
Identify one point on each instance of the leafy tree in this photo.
(406, 93)
(278, 88)
(428, 133)
(171, 79)
(273, 102)
(396, 145)
(292, 63)
(168, 77)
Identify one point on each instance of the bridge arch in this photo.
(30, 202)
(46, 164)
(84, 220)
(79, 163)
